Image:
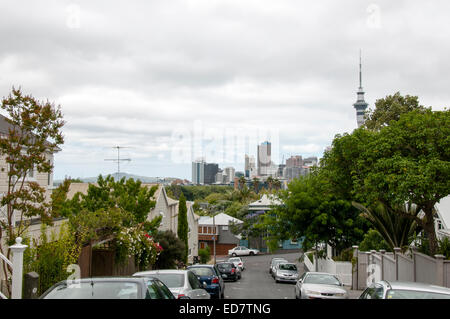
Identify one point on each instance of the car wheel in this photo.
(233, 254)
(252, 253)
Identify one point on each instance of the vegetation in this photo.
(34, 133)
(374, 241)
(204, 254)
(183, 227)
(173, 250)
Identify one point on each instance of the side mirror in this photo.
(300, 281)
(205, 285)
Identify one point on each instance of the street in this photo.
(257, 283)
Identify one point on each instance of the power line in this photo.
(118, 159)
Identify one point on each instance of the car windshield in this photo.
(95, 290)
(276, 262)
(171, 280)
(321, 279)
(234, 260)
(202, 271)
(412, 294)
(225, 267)
(291, 267)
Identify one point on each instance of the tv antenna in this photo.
(118, 159)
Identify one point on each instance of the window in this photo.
(205, 230)
(224, 227)
(200, 230)
(193, 281)
(153, 290)
(209, 230)
(164, 291)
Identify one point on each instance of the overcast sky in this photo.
(160, 76)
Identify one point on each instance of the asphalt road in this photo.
(257, 283)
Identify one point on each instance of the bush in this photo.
(51, 257)
(444, 248)
(373, 241)
(345, 255)
(173, 250)
(204, 254)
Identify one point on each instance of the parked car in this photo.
(229, 271)
(183, 284)
(317, 285)
(210, 274)
(242, 251)
(272, 263)
(286, 272)
(404, 290)
(238, 262)
(109, 288)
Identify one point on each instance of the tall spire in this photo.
(360, 104)
(360, 69)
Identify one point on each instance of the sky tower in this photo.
(360, 104)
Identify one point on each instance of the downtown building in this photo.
(204, 173)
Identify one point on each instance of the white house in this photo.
(442, 221)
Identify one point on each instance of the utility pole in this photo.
(118, 159)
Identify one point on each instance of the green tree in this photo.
(310, 211)
(256, 184)
(173, 250)
(390, 109)
(34, 133)
(183, 227)
(409, 161)
(374, 241)
(270, 182)
(242, 182)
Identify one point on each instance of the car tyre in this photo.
(252, 253)
(233, 254)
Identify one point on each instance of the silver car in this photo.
(183, 284)
(275, 264)
(272, 261)
(404, 290)
(286, 272)
(317, 285)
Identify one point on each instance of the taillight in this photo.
(232, 270)
(181, 295)
(240, 264)
(215, 280)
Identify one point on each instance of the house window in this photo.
(205, 230)
(224, 227)
(209, 230)
(200, 230)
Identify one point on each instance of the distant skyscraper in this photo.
(210, 172)
(250, 166)
(294, 161)
(360, 104)
(198, 172)
(264, 158)
(230, 173)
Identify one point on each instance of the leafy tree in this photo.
(310, 211)
(173, 250)
(183, 227)
(204, 254)
(277, 184)
(390, 109)
(270, 182)
(242, 182)
(374, 241)
(34, 132)
(409, 161)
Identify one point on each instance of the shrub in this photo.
(373, 241)
(173, 250)
(51, 257)
(204, 254)
(345, 255)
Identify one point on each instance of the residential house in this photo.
(218, 229)
(442, 221)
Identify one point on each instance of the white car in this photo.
(238, 262)
(242, 251)
(318, 285)
(183, 284)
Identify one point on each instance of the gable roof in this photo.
(221, 219)
(265, 203)
(443, 211)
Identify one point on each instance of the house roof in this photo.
(443, 210)
(221, 219)
(265, 203)
(78, 187)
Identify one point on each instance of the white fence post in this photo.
(382, 252)
(397, 252)
(17, 273)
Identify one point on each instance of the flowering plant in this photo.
(134, 241)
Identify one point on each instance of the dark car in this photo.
(228, 271)
(210, 274)
(109, 288)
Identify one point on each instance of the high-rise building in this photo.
(360, 104)
(310, 161)
(264, 158)
(230, 174)
(294, 161)
(250, 166)
(211, 170)
(198, 172)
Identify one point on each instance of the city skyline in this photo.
(137, 75)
